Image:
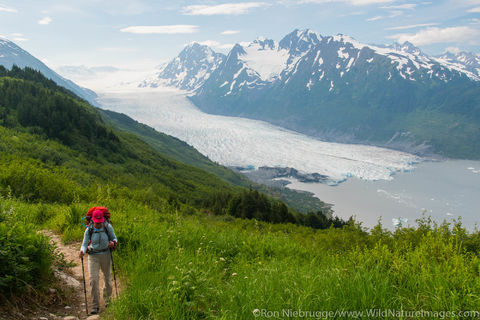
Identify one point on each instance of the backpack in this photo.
(106, 214)
(89, 221)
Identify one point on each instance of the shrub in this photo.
(26, 257)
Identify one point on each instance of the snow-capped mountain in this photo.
(265, 61)
(467, 62)
(11, 54)
(189, 70)
(339, 89)
(327, 60)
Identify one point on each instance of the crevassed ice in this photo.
(243, 142)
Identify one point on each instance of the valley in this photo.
(364, 181)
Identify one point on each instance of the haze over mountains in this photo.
(11, 54)
(338, 89)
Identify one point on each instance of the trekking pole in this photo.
(114, 276)
(84, 287)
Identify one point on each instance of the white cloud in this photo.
(229, 32)
(355, 13)
(374, 18)
(20, 39)
(412, 26)
(395, 13)
(353, 2)
(463, 34)
(7, 9)
(454, 50)
(16, 34)
(169, 29)
(406, 6)
(474, 10)
(225, 8)
(45, 20)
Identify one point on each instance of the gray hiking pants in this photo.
(95, 263)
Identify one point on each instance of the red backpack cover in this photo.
(106, 214)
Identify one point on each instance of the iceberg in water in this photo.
(397, 223)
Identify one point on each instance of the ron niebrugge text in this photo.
(358, 314)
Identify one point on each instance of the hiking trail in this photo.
(72, 280)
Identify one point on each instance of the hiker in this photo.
(98, 241)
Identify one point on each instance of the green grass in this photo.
(194, 267)
(179, 264)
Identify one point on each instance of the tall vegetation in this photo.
(183, 264)
(26, 257)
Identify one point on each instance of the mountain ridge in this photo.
(192, 67)
(338, 89)
(299, 42)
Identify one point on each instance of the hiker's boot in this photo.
(94, 311)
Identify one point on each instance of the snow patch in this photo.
(309, 84)
(235, 76)
(268, 63)
(350, 63)
(341, 54)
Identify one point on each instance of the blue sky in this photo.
(129, 33)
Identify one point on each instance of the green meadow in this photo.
(182, 264)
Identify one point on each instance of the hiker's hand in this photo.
(111, 244)
(81, 254)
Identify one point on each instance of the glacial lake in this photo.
(444, 190)
(381, 182)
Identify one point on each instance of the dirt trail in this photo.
(74, 280)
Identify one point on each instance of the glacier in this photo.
(240, 142)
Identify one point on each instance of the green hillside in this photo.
(191, 245)
(66, 138)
